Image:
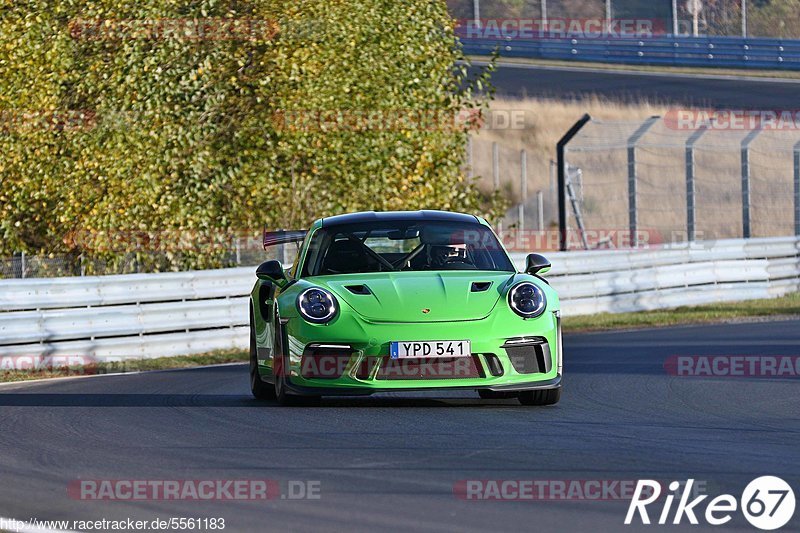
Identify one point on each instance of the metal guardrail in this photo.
(684, 274)
(132, 315)
(152, 315)
(730, 52)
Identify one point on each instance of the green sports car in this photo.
(395, 301)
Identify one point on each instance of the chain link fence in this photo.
(717, 18)
(655, 181)
(665, 183)
(524, 182)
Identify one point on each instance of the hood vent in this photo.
(480, 286)
(361, 290)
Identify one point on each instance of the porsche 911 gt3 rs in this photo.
(396, 301)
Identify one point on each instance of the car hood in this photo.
(419, 296)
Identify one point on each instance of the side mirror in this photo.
(271, 271)
(536, 264)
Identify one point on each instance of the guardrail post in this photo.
(633, 221)
(562, 178)
(746, 181)
(797, 189)
(690, 187)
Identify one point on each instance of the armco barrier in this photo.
(728, 52)
(685, 274)
(151, 315)
(134, 315)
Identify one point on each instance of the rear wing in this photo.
(274, 238)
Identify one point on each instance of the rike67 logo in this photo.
(767, 503)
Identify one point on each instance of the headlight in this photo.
(527, 300)
(317, 305)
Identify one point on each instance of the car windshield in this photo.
(404, 246)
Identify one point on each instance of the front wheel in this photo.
(540, 397)
(280, 371)
(260, 390)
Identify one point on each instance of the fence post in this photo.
(540, 210)
(544, 13)
(633, 220)
(496, 179)
(562, 179)
(690, 188)
(746, 180)
(523, 188)
(744, 19)
(22, 264)
(495, 166)
(476, 12)
(797, 189)
(674, 18)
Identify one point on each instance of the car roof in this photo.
(398, 216)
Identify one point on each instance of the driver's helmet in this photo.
(439, 254)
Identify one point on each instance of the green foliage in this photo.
(108, 129)
(775, 18)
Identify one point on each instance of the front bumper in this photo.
(509, 354)
(300, 390)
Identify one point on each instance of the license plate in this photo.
(416, 349)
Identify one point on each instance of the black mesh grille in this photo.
(324, 363)
(494, 364)
(532, 358)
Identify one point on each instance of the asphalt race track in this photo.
(393, 461)
(719, 92)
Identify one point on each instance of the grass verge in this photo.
(702, 314)
(130, 365)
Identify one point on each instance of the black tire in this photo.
(260, 390)
(540, 397)
(495, 395)
(283, 396)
